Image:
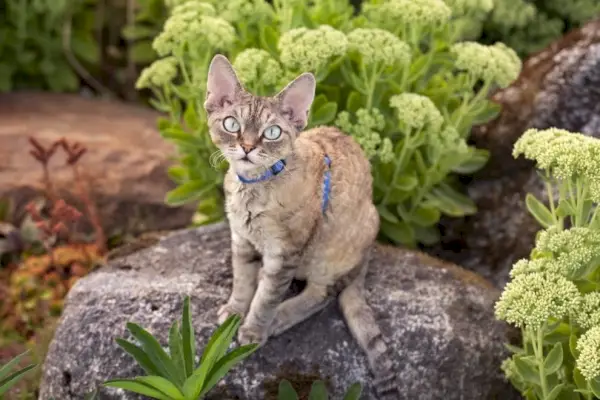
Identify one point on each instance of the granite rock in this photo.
(438, 318)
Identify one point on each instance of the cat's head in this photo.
(254, 132)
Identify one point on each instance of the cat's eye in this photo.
(272, 133)
(231, 125)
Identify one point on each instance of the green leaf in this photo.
(14, 378)
(162, 385)
(318, 391)
(142, 52)
(188, 338)
(319, 102)
(324, 115)
(269, 38)
(406, 182)
(514, 349)
(286, 391)
(386, 214)
(426, 216)
(539, 211)
(11, 364)
(354, 392)
(140, 356)
(573, 345)
(154, 350)
(555, 392)
(554, 360)
(477, 160)
(177, 173)
(400, 233)
(450, 202)
(180, 137)
(487, 113)
(85, 48)
(526, 371)
(579, 379)
(176, 351)
(564, 209)
(137, 387)
(191, 117)
(426, 235)
(213, 351)
(223, 366)
(354, 102)
(595, 386)
(189, 191)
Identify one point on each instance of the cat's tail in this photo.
(363, 326)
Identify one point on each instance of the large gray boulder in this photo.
(438, 317)
(558, 87)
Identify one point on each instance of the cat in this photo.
(299, 203)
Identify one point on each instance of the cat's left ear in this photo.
(296, 99)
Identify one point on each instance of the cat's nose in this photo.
(247, 147)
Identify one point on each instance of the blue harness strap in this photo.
(280, 166)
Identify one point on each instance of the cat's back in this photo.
(349, 164)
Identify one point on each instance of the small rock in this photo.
(437, 316)
(125, 165)
(558, 87)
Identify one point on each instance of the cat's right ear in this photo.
(222, 85)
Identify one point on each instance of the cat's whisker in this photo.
(216, 158)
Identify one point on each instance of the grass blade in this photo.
(223, 366)
(162, 385)
(137, 387)
(140, 356)
(8, 366)
(188, 338)
(155, 352)
(12, 379)
(176, 350)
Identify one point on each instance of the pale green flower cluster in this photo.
(244, 10)
(394, 13)
(543, 264)
(365, 132)
(174, 3)
(417, 112)
(257, 66)
(566, 155)
(495, 63)
(531, 299)
(513, 13)
(157, 74)
(588, 314)
(379, 47)
(588, 346)
(470, 7)
(193, 22)
(573, 250)
(304, 49)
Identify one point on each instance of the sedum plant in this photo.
(176, 375)
(394, 76)
(554, 295)
(318, 391)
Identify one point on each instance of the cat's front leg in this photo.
(275, 280)
(246, 262)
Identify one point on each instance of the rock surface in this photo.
(559, 87)
(125, 165)
(438, 317)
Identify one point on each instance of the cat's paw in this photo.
(228, 310)
(249, 333)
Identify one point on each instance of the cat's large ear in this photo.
(296, 99)
(222, 84)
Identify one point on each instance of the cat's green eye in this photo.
(231, 125)
(272, 133)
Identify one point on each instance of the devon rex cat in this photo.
(300, 202)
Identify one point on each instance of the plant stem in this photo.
(538, 348)
(551, 201)
(397, 168)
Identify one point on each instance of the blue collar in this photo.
(274, 170)
(280, 166)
